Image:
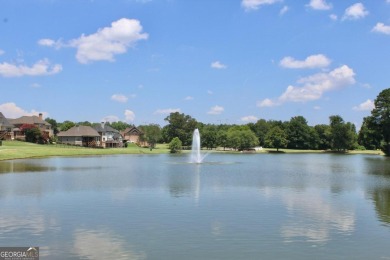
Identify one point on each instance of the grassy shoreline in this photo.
(11, 150)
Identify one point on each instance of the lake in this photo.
(233, 206)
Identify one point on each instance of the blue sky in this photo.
(220, 61)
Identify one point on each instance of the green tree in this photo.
(368, 137)
(54, 125)
(324, 136)
(276, 138)
(66, 125)
(181, 126)
(241, 138)
(381, 119)
(152, 134)
(298, 133)
(343, 135)
(222, 139)
(209, 136)
(32, 133)
(261, 128)
(120, 126)
(175, 145)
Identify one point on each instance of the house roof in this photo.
(31, 120)
(132, 130)
(104, 128)
(4, 121)
(80, 130)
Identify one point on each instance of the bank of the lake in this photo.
(20, 150)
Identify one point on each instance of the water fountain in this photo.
(196, 156)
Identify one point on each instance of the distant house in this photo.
(133, 135)
(109, 137)
(37, 121)
(5, 128)
(80, 135)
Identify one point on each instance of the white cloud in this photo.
(283, 10)
(105, 43)
(368, 105)
(319, 5)
(311, 62)
(40, 68)
(187, 98)
(166, 111)
(51, 43)
(355, 11)
(1, 52)
(119, 98)
(333, 17)
(218, 65)
(250, 5)
(314, 86)
(267, 103)
(249, 119)
(381, 28)
(35, 85)
(129, 115)
(215, 110)
(11, 110)
(110, 118)
(317, 108)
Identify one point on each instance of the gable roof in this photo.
(132, 130)
(4, 122)
(78, 131)
(31, 120)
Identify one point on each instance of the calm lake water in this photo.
(234, 206)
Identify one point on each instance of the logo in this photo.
(19, 253)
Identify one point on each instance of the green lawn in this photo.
(18, 150)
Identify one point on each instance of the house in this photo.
(134, 135)
(5, 128)
(80, 135)
(109, 137)
(37, 121)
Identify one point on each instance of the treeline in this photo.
(338, 135)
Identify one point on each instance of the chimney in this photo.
(102, 124)
(40, 116)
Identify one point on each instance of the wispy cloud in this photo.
(129, 115)
(249, 119)
(105, 43)
(166, 111)
(218, 65)
(110, 118)
(188, 98)
(381, 28)
(311, 62)
(215, 110)
(313, 87)
(367, 105)
(1, 52)
(284, 10)
(40, 68)
(250, 5)
(119, 98)
(355, 12)
(319, 5)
